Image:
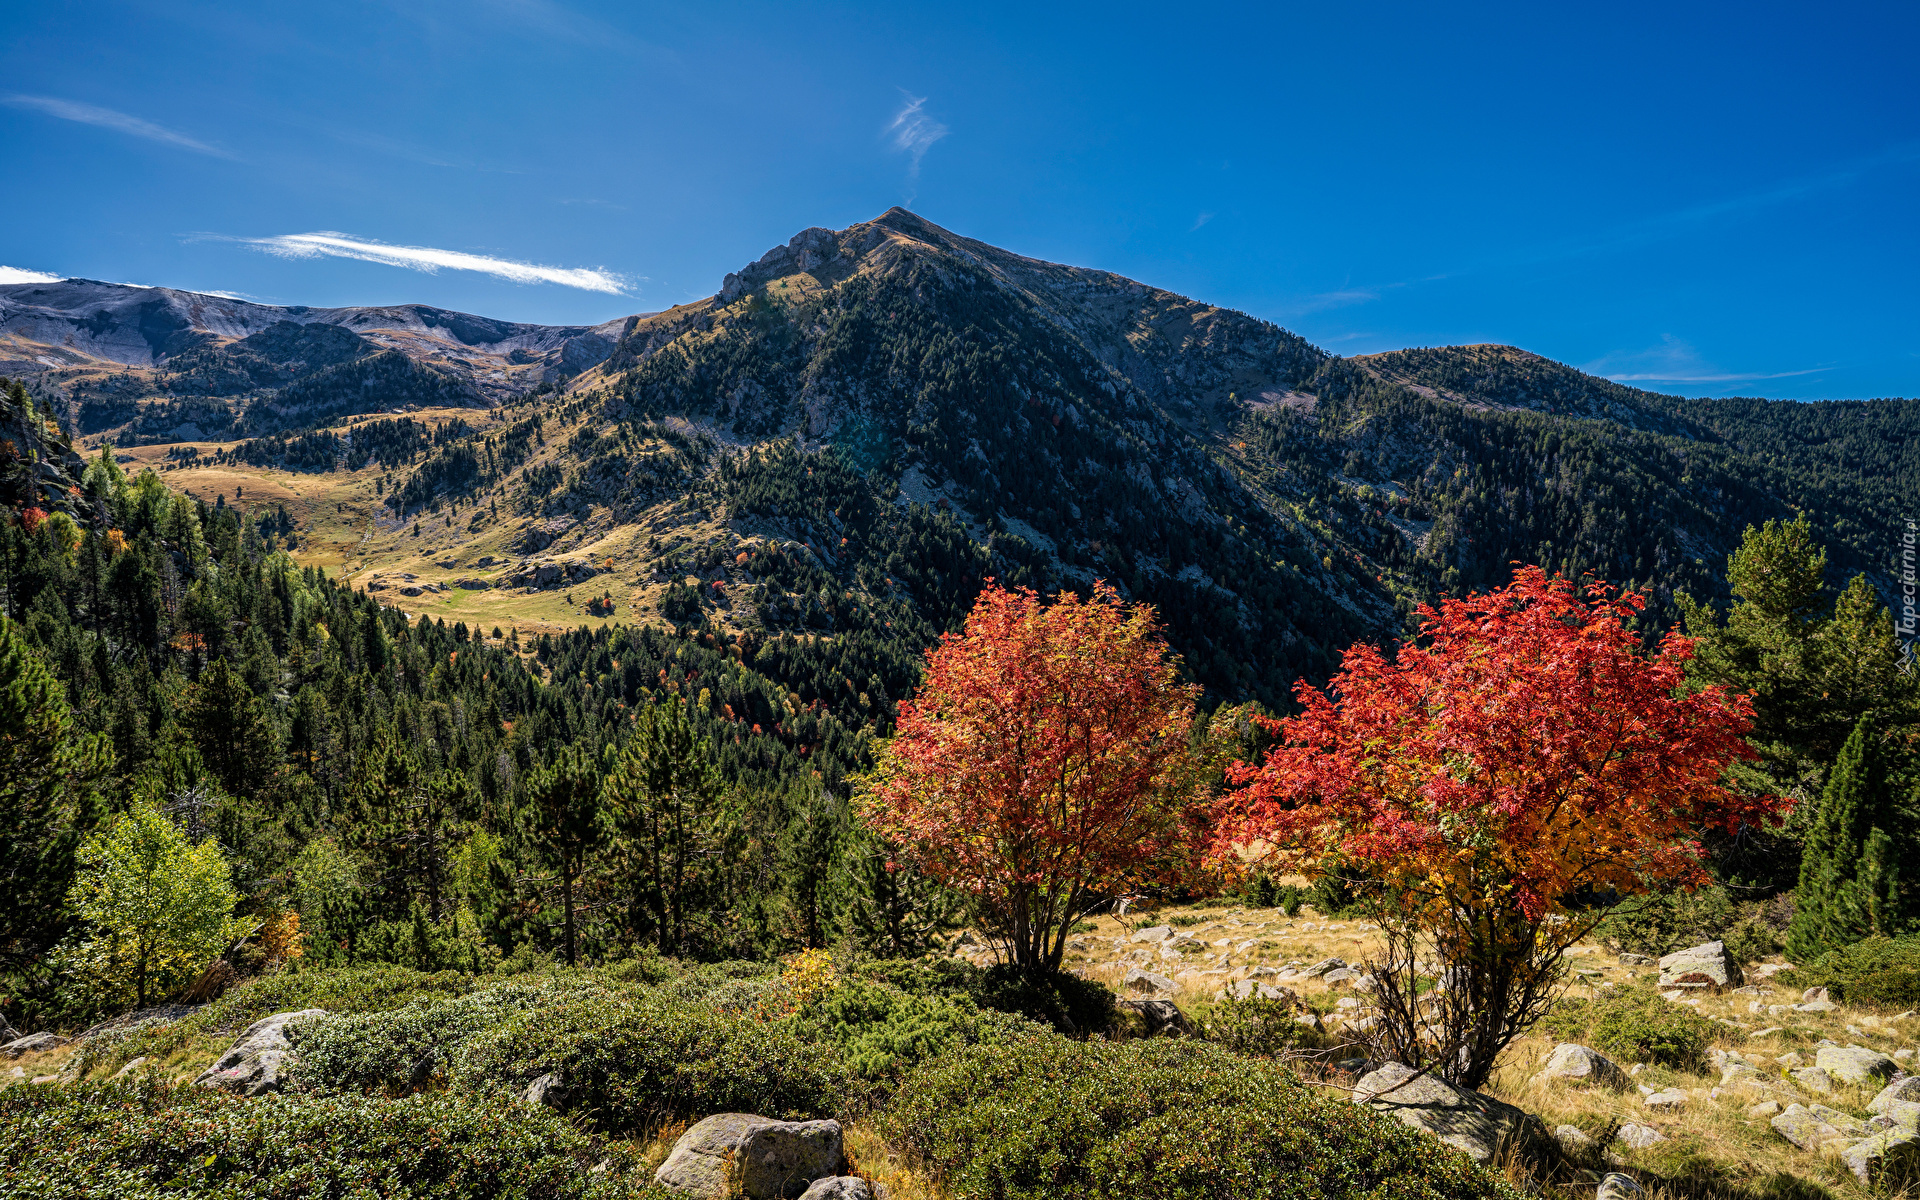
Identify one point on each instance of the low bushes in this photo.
(1074, 1006)
(634, 1063)
(1050, 1118)
(362, 990)
(1663, 922)
(132, 1141)
(1635, 1026)
(1881, 971)
(1255, 1026)
(406, 1049)
(881, 1031)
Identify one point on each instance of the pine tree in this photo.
(47, 769)
(564, 818)
(662, 797)
(1850, 886)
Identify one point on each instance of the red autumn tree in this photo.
(1521, 758)
(1044, 762)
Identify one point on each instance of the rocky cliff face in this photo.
(38, 466)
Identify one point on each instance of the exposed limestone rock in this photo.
(1162, 1018)
(255, 1063)
(731, 1154)
(1571, 1063)
(1705, 965)
(1478, 1125)
(1852, 1064)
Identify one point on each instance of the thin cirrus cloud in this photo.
(22, 275)
(915, 131)
(107, 118)
(1676, 361)
(326, 244)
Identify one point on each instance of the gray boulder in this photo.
(1137, 980)
(1898, 1114)
(256, 1063)
(1157, 933)
(1162, 1018)
(1468, 1121)
(1247, 989)
(1637, 1136)
(33, 1043)
(732, 1154)
(546, 1091)
(1813, 1079)
(1851, 1064)
(1893, 1154)
(1572, 1140)
(1705, 965)
(1615, 1186)
(131, 1066)
(1811, 1128)
(1325, 965)
(842, 1187)
(1570, 1063)
(1907, 1089)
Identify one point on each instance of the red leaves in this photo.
(1525, 746)
(1046, 751)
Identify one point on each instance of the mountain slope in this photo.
(862, 426)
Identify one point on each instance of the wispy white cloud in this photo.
(107, 118)
(914, 131)
(21, 275)
(327, 244)
(1201, 220)
(1674, 361)
(1323, 301)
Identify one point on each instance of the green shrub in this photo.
(1635, 1026)
(404, 1049)
(149, 1139)
(881, 1031)
(732, 986)
(632, 1063)
(1074, 1006)
(1663, 922)
(1255, 1026)
(1052, 1118)
(356, 990)
(1881, 971)
(1264, 891)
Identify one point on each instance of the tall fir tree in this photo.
(1850, 878)
(663, 796)
(564, 819)
(47, 772)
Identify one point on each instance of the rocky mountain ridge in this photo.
(904, 413)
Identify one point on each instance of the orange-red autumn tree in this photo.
(1521, 758)
(1044, 762)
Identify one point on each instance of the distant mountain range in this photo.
(1050, 425)
(109, 345)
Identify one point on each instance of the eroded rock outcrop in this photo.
(731, 1154)
(256, 1063)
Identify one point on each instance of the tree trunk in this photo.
(566, 896)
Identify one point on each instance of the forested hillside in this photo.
(752, 520)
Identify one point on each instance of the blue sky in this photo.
(1712, 200)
